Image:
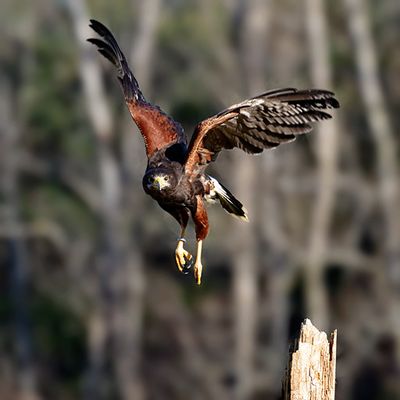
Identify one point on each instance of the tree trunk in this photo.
(312, 366)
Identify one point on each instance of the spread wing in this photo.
(157, 128)
(263, 122)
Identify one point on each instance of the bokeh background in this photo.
(91, 303)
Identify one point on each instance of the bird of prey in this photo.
(175, 175)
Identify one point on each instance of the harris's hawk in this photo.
(175, 175)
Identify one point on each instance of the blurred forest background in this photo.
(92, 305)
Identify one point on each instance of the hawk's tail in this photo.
(109, 49)
(228, 201)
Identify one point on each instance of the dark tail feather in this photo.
(109, 49)
(229, 202)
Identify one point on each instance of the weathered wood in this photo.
(312, 366)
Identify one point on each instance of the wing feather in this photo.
(265, 121)
(157, 128)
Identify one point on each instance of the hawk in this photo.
(175, 175)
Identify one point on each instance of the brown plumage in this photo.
(175, 176)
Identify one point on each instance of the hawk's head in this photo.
(159, 180)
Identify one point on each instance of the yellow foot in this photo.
(198, 269)
(182, 257)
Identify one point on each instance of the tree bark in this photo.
(312, 366)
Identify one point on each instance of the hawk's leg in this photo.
(200, 219)
(198, 266)
(182, 257)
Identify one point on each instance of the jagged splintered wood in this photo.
(312, 366)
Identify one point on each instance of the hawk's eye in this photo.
(166, 178)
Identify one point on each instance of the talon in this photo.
(183, 258)
(186, 270)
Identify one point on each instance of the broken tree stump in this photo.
(312, 366)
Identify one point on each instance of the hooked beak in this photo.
(156, 183)
(159, 183)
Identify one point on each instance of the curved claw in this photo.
(183, 258)
(187, 266)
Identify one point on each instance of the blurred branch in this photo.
(253, 15)
(382, 132)
(82, 187)
(17, 251)
(378, 120)
(224, 85)
(142, 54)
(167, 308)
(89, 68)
(112, 331)
(316, 302)
(43, 229)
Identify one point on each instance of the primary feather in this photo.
(259, 123)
